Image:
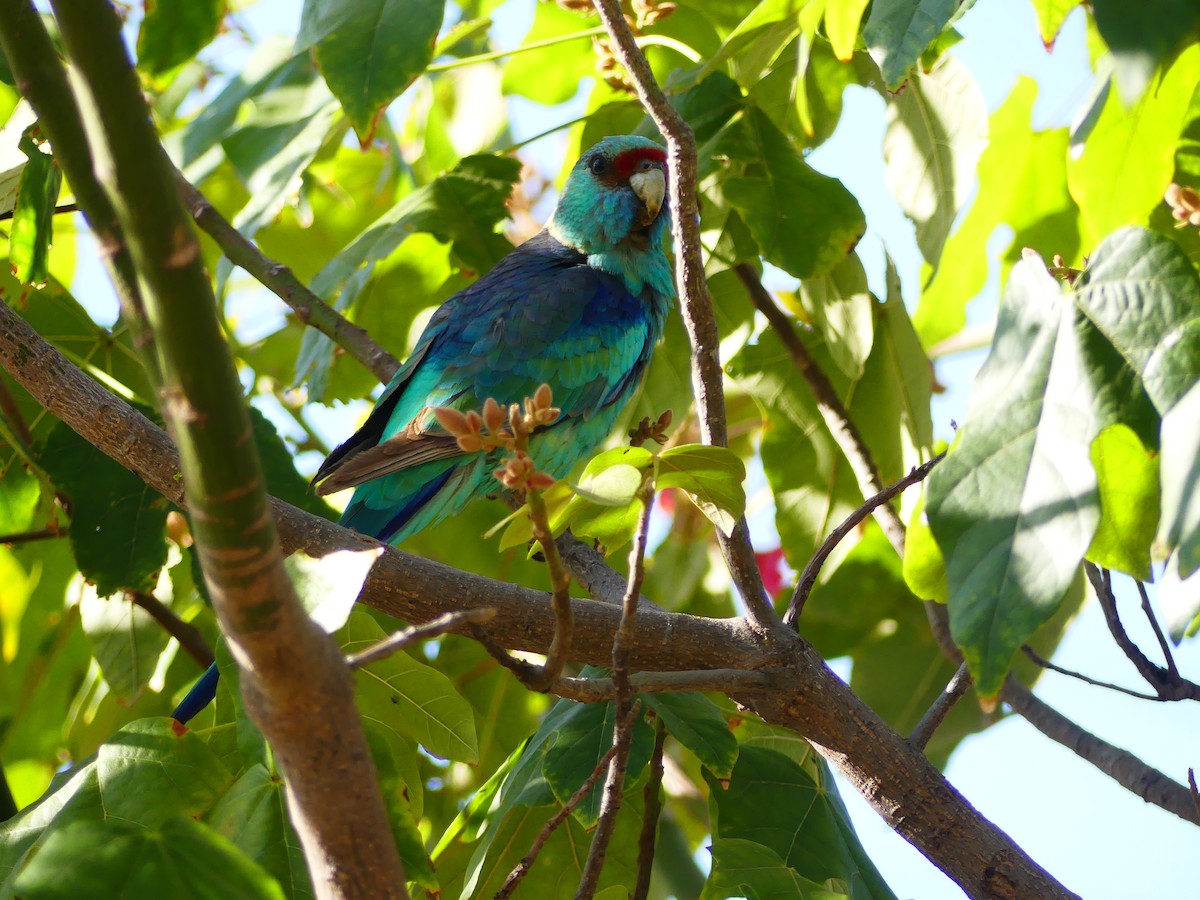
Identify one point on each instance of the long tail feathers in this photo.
(201, 694)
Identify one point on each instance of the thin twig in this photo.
(12, 414)
(809, 577)
(1122, 766)
(278, 278)
(406, 637)
(958, 685)
(560, 582)
(1158, 632)
(58, 210)
(1195, 790)
(1046, 664)
(696, 306)
(189, 636)
(521, 868)
(652, 797)
(1169, 685)
(837, 419)
(614, 783)
(41, 534)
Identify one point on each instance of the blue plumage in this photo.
(580, 307)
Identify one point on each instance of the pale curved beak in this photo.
(650, 187)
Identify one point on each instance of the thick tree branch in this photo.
(837, 419)
(297, 688)
(695, 303)
(278, 278)
(798, 691)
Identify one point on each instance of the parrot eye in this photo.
(598, 165)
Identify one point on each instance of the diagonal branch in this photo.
(278, 278)
(694, 299)
(837, 419)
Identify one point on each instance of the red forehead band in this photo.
(626, 163)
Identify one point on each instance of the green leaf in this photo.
(252, 815)
(615, 485)
(711, 477)
(173, 31)
(1129, 157)
(375, 50)
(924, 566)
(1015, 506)
(581, 738)
(33, 215)
(329, 585)
(898, 31)
(416, 700)
(698, 724)
(773, 801)
(842, 18)
(289, 121)
(463, 206)
(1051, 14)
(804, 222)
(180, 858)
(1022, 184)
(1127, 475)
(743, 868)
(126, 641)
(1141, 39)
(937, 129)
(118, 522)
(394, 788)
(279, 469)
(1180, 600)
(1180, 527)
(840, 305)
(552, 75)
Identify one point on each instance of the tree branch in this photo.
(694, 299)
(799, 691)
(958, 685)
(837, 419)
(188, 635)
(309, 718)
(278, 278)
(808, 577)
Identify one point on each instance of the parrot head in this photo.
(614, 200)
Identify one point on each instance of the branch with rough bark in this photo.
(310, 721)
(797, 690)
(695, 303)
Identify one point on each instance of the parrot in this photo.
(580, 307)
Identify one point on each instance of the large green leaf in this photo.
(1051, 15)
(773, 801)
(743, 868)
(841, 307)
(1015, 506)
(180, 858)
(33, 214)
(371, 50)
(1127, 476)
(551, 75)
(898, 31)
(711, 476)
(937, 129)
(118, 522)
(126, 641)
(1141, 38)
(698, 724)
(463, 206)
(252, 815)
(173, 31)
(417, 700)
(1022, 184)
(1181, 486)
(804, 222)
(1129, 157)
